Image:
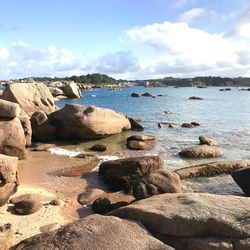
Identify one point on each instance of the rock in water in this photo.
(87, 122)
(211, 169)
(195, 98)
(242, 178)
(98, 148)
(9, 109)
(12, 138)
(31, 97)
(95, 232)
(135, 95)
(203, 151)
(135, 124)
(8, 177)
(191, 216)
(207, 141)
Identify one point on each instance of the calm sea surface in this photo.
(224, 116)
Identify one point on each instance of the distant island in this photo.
(97, 79)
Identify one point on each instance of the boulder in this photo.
(211, 169)
(71, 90)
(135, 124)
(41, 129)
(203, 151)
(56, 91)
(135, 95)
(140, 142)
(87, 122)
(31, 97)
(192, 215)
(26, 204)
(6, 237)
(207, 141)
(187, 125)
(95, 232)
(195, 98)
(101, 205)
(242, 178)
(12, 138)
(98, 148)
(26, 124)
(156, 182)
(9, 109)
(90, 195)
(147, 94)
(118, 174)
(8, 177)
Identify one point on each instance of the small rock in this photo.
(196, 124)
(160, 125)
(139, 145)
(172, 126)
(207, 141)
(101, 205)
(141, 138)
(147, 94)
(44, 147)
(195, 98)
(98, 148)
(135, 124)
(56, 203)
(135, 95)
(187, 125)
(6, 237)
(90, 195)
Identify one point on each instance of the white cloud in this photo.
(198, 15)
(4, 53)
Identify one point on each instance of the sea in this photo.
(223, 116)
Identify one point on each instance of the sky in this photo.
(125, 39)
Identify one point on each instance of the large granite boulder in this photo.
(211, 169)
(71, 90)
(175, 217)
(95, 232)
(118, 174)
(242, 178)
(9, 109)
(87, 122)
(203, 151)
(31, 97)
(42, 131)
(12, 138)
(6, 237)
(8, 177)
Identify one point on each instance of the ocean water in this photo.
(223, 115)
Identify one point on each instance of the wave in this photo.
(65, 152)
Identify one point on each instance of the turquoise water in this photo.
(223, 116)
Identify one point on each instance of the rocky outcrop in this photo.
(71, 90)
(211, 169)
(9, 109)
(140, 142)
(41, 129)
(12, 138)
(6, 237)
(31, 97)
(242, 178)
(26, 204)
(8, 177)
(207, 141)
(95, 232)
(193, 217)
(87, 122)
(203, 151)
(118, 174)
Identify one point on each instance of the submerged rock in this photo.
(95, 232)
(203, 151)
(87, 122)
(8, 177)
(211, 169)
(242, 178)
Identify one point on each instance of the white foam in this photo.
(65, 152)
(93, 95)
(108, 157)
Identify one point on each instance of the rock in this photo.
(160, 125)
(195, 124)
(195, 98)
(211, 169)
(207, 141)
(56, 91)
(141, 138)
(26, 204)
(44, 147)
(135, 124)
(90, 195)
(31, 97)
(6, 237)
(8, 177)
(41, 129)
(98, 148)
(55, 202)
(95, 232)
(71, 90)
(203, 151)
(135, 95)
(156, 182)
(140, 145)
(242, 178)
(101, 205)
(9, 109)
(12, 138)
(187, 125)
(26, 124)
(119, 173)
(172, 126)
(147, 94)
(192, 215)
(87, 122)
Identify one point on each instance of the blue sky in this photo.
(124, 38)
